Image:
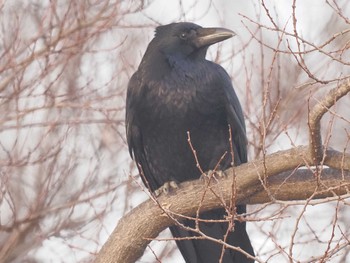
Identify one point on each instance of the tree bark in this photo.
(272, 178)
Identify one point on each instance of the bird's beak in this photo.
(212, 35)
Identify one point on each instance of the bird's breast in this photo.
(180, 93)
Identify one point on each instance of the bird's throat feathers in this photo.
(162, 65)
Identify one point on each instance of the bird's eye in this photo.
(183, 35)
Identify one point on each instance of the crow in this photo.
(175, 92)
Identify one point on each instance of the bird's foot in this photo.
(166, 188)
(211, 173)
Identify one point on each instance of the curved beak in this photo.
(212, 35)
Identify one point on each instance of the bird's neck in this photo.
(154, 65)
(157, 65)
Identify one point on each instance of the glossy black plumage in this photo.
(176, 90)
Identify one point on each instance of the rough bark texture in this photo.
(256, 182)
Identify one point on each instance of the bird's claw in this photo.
(211, 173)
(166, 188)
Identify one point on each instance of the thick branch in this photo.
(135, 230)
(323, 106)
(302, 184)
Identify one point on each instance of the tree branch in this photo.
(135, 230)
(323, 106)
(275, 177)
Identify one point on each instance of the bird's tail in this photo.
(207, 251)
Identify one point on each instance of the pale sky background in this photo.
(311, 15)
(312, 18)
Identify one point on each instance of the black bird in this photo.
(174, 91)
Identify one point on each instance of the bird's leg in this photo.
(166, 188)
(212, 173)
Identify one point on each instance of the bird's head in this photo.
(187, 39)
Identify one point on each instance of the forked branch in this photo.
(285, 182)
(315, 116)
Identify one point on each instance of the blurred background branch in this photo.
(65, 174)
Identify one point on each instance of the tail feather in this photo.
(206, 251)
